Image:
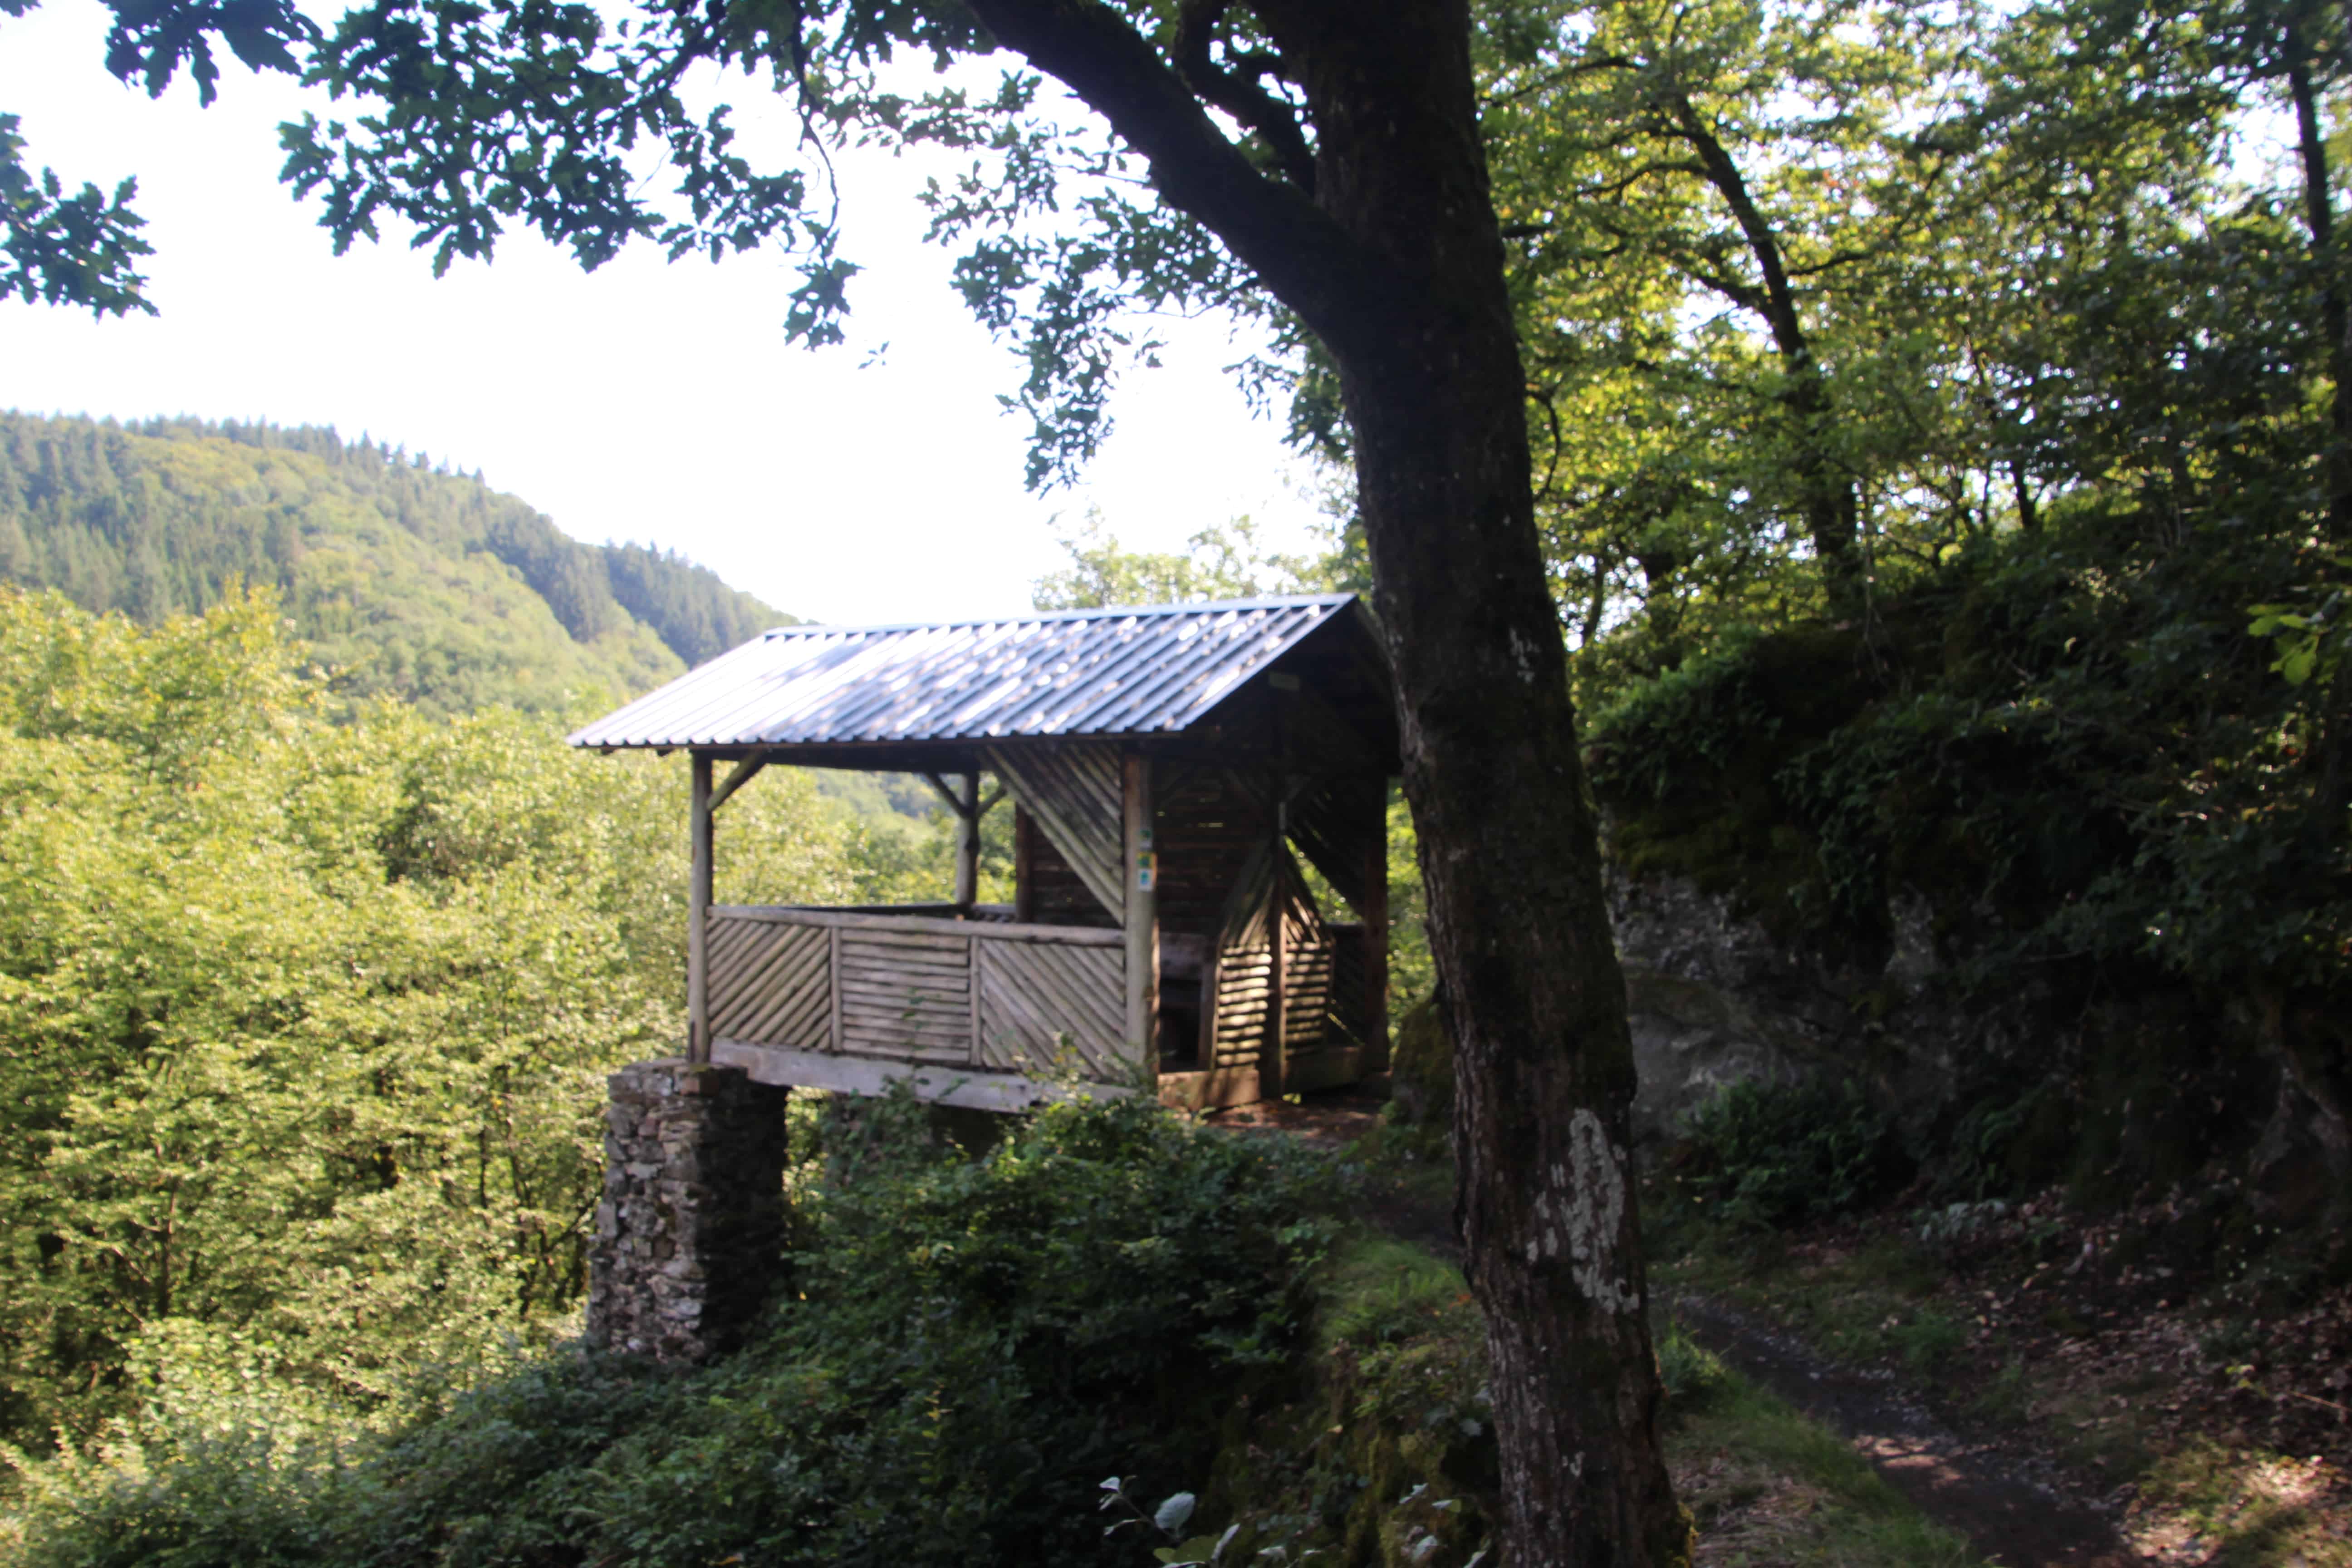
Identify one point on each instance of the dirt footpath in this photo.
(2007, 1504)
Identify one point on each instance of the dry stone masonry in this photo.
(691, 1232)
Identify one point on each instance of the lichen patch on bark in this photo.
(1585, 1199)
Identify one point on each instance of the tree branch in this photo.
(1244, 99)
(1345, 295)
(1775, 302)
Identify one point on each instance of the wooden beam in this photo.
(985, 931)
(1274, 1065)
(738, 777)
(959, 799)
(697, 916)
(1143, 914)
(872, 1076)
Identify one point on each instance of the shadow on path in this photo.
(2012, 1515)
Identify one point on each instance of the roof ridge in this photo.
(1102, 612)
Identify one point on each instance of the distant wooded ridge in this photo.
(418, 583)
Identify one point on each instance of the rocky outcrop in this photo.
(1715, 999)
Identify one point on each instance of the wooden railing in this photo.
(790, 985)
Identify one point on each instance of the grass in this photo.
(1765, 1485)
(2109, 1417)
(1379, 1289)
(1861, 1308)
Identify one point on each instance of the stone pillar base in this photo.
(690, 1233)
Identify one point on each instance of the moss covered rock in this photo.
(1421, 1070)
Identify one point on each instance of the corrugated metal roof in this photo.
(1118, 671)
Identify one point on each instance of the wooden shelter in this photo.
(1175, 773)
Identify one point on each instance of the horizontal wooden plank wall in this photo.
(1243, 978)
(906, 995)
(1312, 986)
(1306, 991)
(992, 997)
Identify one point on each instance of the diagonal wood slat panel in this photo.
(1091, 986)
(774, 988)
(803, 1014)
(753, 984)
(729, 943)
(1029, 994)
(1351, 985)
(1339, 824)
(1074, 793)
(734, 946)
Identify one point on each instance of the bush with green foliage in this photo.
(1760, 1155)
(966, 1346)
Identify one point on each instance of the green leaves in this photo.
(303, 1023)
(79, 249)
(2310, 637)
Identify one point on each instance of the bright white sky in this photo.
(648, 402)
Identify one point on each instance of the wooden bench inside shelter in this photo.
(1200, 844)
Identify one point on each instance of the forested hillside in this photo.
(406, 578)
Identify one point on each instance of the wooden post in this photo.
(967, 868)
(1375, 912)
(1274, 1062)
(1143, 914)
(698, 917)
(1024, 867)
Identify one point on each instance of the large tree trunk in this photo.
(1508, 841)
(2332, 701)
(1388, 247)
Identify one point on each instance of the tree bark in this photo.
(1419, 321)
(1509, 846)
(2334, 320)
(2334, 699)
(1826, 497)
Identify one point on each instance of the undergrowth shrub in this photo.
(1760, 1156)
(966, 1347)
(1689, 1374)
